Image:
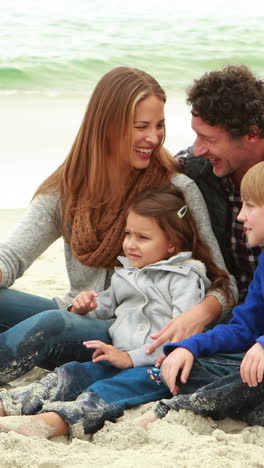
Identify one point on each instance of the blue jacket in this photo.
(245, 328)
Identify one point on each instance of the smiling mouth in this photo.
(143, 153)
(213, 161)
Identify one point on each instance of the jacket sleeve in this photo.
(141, 359)
(107, 304)
(197, 205)
(35, 233)
(186, 291)
(246, 326)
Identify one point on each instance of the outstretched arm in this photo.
(188, 323)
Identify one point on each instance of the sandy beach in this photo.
(181, 439)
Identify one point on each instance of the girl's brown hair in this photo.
(92, 173)
(164, 204)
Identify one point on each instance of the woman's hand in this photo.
(106, 352)
(188, 323)
(84, 302)
(179, 360)
(252, 366)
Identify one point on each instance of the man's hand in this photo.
(176, 330)
(84, 302)
(252, 366)
(188, 323)
(180, 359)
(106, 352)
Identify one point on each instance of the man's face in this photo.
(228, 156)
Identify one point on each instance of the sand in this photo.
(181, 439)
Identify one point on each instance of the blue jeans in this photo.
(86, 394)
(42, 337)
(215, 389)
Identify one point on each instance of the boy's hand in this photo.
(180, 359)
(106, 352)
(84, 302)
(252, 366)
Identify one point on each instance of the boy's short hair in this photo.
(252, 185)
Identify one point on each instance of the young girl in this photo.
(117, 153)
(162, 275)
(227, 384)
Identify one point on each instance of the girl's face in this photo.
(145, 242)
(148, 130)
(252, 216)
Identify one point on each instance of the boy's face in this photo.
(145, 242)
(252, 216)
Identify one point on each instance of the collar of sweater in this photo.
(183, 258)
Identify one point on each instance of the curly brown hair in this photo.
(232, 98)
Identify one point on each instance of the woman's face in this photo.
(148, 130)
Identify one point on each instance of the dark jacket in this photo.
(200, 170)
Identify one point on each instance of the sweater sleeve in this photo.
(106, 305)
(196, 203)
(36, 232)
(245, 328)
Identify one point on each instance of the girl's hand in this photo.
(180, 359)
(252, 366)
(84, 302)
(106, 352)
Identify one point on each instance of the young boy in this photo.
(224, 385)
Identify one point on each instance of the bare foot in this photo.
(148, 418)
(2, 411)
(43, 425)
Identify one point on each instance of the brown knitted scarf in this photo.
(97, 234)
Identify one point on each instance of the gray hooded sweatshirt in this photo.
(142, 301)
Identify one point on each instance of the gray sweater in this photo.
(41, 227)
(142, 301)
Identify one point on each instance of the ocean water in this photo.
(53, 52)
(65, 46)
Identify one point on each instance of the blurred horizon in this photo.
(54, 53)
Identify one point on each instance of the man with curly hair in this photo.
(228, 119)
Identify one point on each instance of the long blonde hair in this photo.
(92, 173)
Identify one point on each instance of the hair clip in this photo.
(182, 211)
